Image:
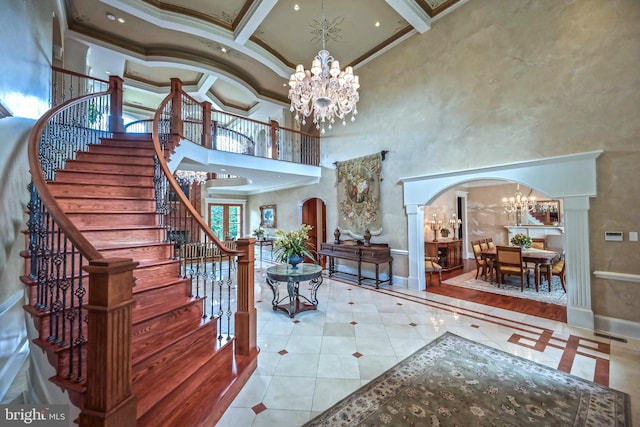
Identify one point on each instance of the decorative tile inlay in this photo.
(357, 355)
(296, 321)
(282, 352)
(259, 408)
(351, 302)
(354, 323)
(475, 326)
(413, 324)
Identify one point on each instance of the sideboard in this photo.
(448, 252)
(376, 254)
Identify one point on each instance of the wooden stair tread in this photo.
(192, 401)
(156, 376)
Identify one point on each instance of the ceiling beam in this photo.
(252, 19)
(412, 13)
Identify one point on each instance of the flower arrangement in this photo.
(522, 240)
(258, 232)
(293, 242)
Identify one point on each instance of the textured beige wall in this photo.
(501, 81)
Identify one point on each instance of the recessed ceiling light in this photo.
(223, 170)
(121, 20)
(107, 72)
(223, 49)
(296, 7)
(111, 17)
(377, 23)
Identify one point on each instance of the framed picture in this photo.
(268, 216)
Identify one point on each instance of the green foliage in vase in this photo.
(293, 242)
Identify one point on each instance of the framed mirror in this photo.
(268, 216)
(547, 211)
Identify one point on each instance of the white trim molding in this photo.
(571, 178)
(612, 275)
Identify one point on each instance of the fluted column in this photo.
(415, 221)
(578, 264)
(108, 401)
(246, 316)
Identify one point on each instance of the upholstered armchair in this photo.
(431, 266)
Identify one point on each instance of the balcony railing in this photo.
(228, 132)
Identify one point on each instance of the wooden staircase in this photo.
(182, 373)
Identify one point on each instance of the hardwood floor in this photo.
(520, 305)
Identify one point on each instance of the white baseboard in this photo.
(617, 327)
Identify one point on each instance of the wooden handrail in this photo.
(176, 187)
(71, 231)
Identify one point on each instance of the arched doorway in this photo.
(571, 178)
(314, 213)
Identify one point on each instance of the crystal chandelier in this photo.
(518, 205)
(189, 177)
(324, 90)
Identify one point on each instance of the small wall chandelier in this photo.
(324, 90)
(189, 177)
(518, 205)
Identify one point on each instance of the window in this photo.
(225, 220)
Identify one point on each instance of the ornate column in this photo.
(578, 265)
(246, 316)
(415, 232)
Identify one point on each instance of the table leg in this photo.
(377, 278)
(274, 288)
(537, 276)
(292, 289)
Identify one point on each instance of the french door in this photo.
(225, 220)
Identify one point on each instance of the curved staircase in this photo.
(183, 370)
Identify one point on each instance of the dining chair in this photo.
(490, 243)
(431, 266)
(484, 245)
(558, 269)
(481, 263)
(539, 243)
(509, 262)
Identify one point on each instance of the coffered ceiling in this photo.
(237, 54)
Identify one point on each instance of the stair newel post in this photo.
(116, 121)
(176, 106)
(245, 317)
(109, 402)
(274, 139)
(206, 125)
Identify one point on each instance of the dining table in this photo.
(543, 259)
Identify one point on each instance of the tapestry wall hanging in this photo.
(359, 195)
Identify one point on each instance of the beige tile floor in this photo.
(308, 363)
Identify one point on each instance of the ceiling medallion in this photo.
(325, 90)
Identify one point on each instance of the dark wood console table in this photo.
(448, 252)
(373, 254)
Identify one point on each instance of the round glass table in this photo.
(293, 302)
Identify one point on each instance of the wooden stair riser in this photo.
(100, 191)
(157, 332)
(149, 381)
(69, 266)
(66, 298)
(148, 301)
(59, 357)
(141, 253)
(192, 393)
(141, 140)
(92, 178)
(146, 152)
(94, 207)
(116, 220)
(114, 168)
(44, 322)
(149, 275)
(105, 238)
(114, 158)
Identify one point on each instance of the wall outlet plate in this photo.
(613, 236)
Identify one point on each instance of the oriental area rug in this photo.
(511, 287)
(457, 382)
